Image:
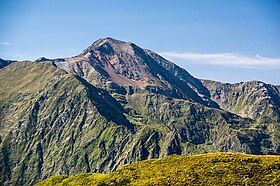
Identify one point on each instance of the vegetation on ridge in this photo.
(206, 169)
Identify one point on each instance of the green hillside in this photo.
(116, 104)
(53, 122)
(206, 169)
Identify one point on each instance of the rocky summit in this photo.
(116, 103)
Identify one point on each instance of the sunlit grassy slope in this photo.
(206, 169)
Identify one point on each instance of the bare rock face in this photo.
(109, 61)
(116, 103)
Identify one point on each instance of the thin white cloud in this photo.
(224, 59)
(5, 43)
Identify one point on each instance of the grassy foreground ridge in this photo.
(205, 169)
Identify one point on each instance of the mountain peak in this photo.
(108, 40)
(125, 64)
(108, 45)
(41, 59)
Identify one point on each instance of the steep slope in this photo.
(47, 118)
(208, 169)
(253, 99)
(108, 61)
(54, 123)
(113, 104)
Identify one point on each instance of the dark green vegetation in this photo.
(115, 104)
(207, 169)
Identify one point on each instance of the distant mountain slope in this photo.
(4, 63)
(208, 169)
(253, 99)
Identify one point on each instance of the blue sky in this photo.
(229, 41)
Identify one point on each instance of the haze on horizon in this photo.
(218, 40)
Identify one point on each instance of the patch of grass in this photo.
(79, 179)
(205, 169)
